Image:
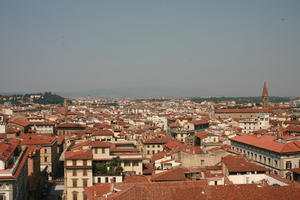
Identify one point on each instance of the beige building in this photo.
(278, 155)
(78, 174)
(80, 165)
(152, 146)
(239, 113)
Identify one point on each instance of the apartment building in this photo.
(260, 121)
(81, 165)
(78, 173)
(239, 113)
(68, 129)
(152, 146)
(48, 151)
(13, 171)
(277, 154)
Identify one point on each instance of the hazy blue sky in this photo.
(227, 47)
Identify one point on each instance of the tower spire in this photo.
(265, 96)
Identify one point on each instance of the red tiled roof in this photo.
(202, 134)
(239, 164)
(103, 132)
(20, 122)
(174, 125)
(296, 170)
(41, 123)
(158, 156)
(37, 139)
(70, 125)
(7, 148)
(136, 179)
(102, 144)
(60, 139)
(19, 168)
(247, 110)
(195, 190)
(170, 175)
(12, 130)
(79, 155)
(268, 142)
(155, 141)
(198, 122)
(291, 128)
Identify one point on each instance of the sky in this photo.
(228, 47)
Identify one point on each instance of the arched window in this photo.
(75, 195)
(288, 175)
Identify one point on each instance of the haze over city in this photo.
(214, 47)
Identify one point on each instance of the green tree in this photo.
(101, 168)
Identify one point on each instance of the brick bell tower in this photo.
(265, 96)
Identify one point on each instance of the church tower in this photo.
(265, 96)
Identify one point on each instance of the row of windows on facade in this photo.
(128, 163)
(75, 182)
(153, 146)
(254, 156)
(153, 152)
(102, 150)
(252, 128)
(288, 164)
(84, 173)
(84, 162)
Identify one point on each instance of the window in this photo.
(84, 172)
(276, 163)
(84, 182)
(153, 146)
(84, 196)
(99, 180)
(148, 152)
(2, 197)
(103, 150)
(74, 162)
(288, 165)
(135, 163)
(45, 150)
(126, 163)
(288, 176)
(74, 172)
(202, 163)
(75, 195)
(46, 159)
(74, 182)
(96, 150)
(153, 152)
(247, 180)
(84, 162)
(106, 179)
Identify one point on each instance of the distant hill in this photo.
(141, 91)
(40, 98)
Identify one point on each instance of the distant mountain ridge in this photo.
(140, 91)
